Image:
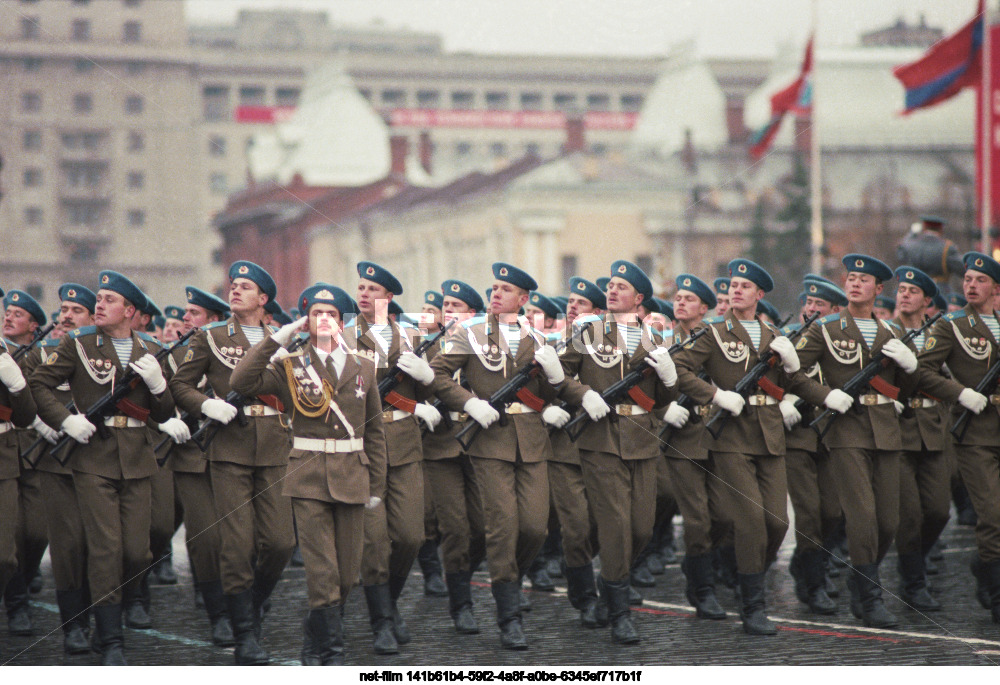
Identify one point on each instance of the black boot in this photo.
(430, 566)
(525, 597)
(914, 586)
(992, 573)
(507, 597)
(640, 575)
(380, 615)
(623, 630)
(755, 620)
(136, 614)
(795, 570)
(15, 597)
(163, 572)
(316, 637)
(978, 569)
(248, 651)
(261, 591)
(73, 613)
(296, 560)
(813, 564)
(539, 577)
(700, 588)
(582, 592)
(963, 505)
(873, 611)
(725, 571)
(460, 602)
(852, 587)
(335, 620)
(399, 628)
(215, 607)
(109, 642)
(35, 584)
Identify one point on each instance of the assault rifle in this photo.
(986, 386)
(626, 387)
(865, 377)
(40, 333)
(395, 376)
(755, 379)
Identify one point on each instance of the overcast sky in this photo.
(617, 27)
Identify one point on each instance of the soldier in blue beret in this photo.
(248, 271)
(721, 286)
(884, 308)
(825, 291)
(938, 304)
(22, 315)
(430, 311)
(173, 323)
(584, 298)
(602, 283)
(462, 294)
(562, 302)
(955, 302)
(203, 308)
(542, 312)
(770, 311)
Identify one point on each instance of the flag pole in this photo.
(815, 178)
(984, 100)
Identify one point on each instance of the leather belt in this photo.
(760, 400)
(6, 426)
(458, 416)
(995, 400)
(922, 403)
(329, 445)
(518, 408)
(873, 398)
(120, 421)
(629, 410)
(257, 410)
(390, 415)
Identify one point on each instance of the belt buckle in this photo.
(121, 421)
(916, 402)
(254, 410)
(995, 400)
(869, 400)
(387, 416)
(513, 408)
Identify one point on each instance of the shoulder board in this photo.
(272, 328)
(473, 321)
(771, 327)
(893, 324)
(148, 338)
(214, 324)
(714, 319)
(657, 335)
(791, 328)
(957, 314)
(49, 342)
(86, 330)
(828, 318)
(10, 344)
(404, 324)
(586, 319)
(555, 337)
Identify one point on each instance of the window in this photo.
(598, 102)
(251, 96)
(32, 63)
(134, 104)
(463, 148)
(428, 99)
(631, 103)
(462, 99)
(564, 100)
(219, 184)
(83, 175)
(286, 97)
(136, 142)
(136, 180)
(215, 102)
(90, 140)
(31, 101)
(32, 140)
(497, 100)
(394, 98)
(531, 101)
(599, 149)
(136, 217)
(498, 149)
(29, 28)
(83, 215)
(80, 30)
(83, 66)
(32, 177)
(132, 3)
(83, 103)
(83, 252)
(33, 216)
(217, 146)
(81, 2)
(133, 68)
(131, 32)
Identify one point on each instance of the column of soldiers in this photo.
(292, 421)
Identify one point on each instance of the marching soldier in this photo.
(338, 459)
(618, 456)
(394, 532)
(721, 286)
(967, 342)
(173, 326)
(110, 474)
(884, 308)
(245, 461)
(865, 444)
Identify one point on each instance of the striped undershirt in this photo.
(918, 339)
(993, 325)
(123, 348)
(384, 333)
(869, 329)
(254, 334)
(753, 330)
(512, 334)
(633, 336)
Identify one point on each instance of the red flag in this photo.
(795, 98)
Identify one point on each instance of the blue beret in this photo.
(395, 309)
(172, 312)
(591, 291)
(666, 308)
(115, 282)
(55, 317)
(817, 277)
(939, 301)
(545, 304)
(434, 298)
(977, 261)
(205, 300)
(721, 285)
(652, 305)
(755, 273)
(862, 263)
(489, 294)
(464, 292)
(281, 318)
(885, 302)
(375, 273)
(929, 220)
(150, 307)
(250, 271)
(81, 295)
(697, 286)
(295, 313)
(561, 301)
(272, 307)
(514, 276)
(19, 298)
(824, 290)
(802, 298)
(602, 283)
(911, 274)
(324, 293)
(158, 322)
(765, 307)
(957, 300)
(634, 275)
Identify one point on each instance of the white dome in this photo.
(859, 101)
(334, 138)
(686, 97)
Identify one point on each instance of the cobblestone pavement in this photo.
(961, 634)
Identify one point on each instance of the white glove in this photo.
(373, 502)
(554, 416)
(218, 410)
(659, 359)
(78, 427)
(898, 406)
(730, 401)
(149, 370)
(10, 374)
(676, 415)
(786, 350)
(594, 405)
(549, 361)
(430, 415)
(284, 335)
(898, 352)
(789, 414)
(972, 400)
(176, 429)
(482, 412)
(838, 400)
(279, 355)
(43, 430)
(416, 368)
